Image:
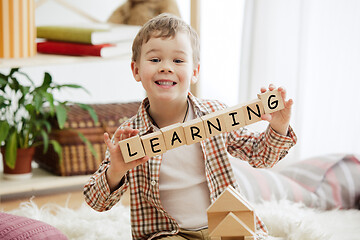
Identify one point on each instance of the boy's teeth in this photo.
(165, 83)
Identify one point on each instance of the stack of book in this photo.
(103, 40)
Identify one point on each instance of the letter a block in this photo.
(214, 123)
(194, 131)
(272, 101)
(153, 143)
(131, 149)
(234, 118)
(173, 136)
(253, 111)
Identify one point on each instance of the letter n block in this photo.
(153, 143)
(173, 136)
(253, 111)
(214, 123)
(234, 117)
(272, 101)
(194, 131)
(132, 149)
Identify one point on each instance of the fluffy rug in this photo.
(284, 219)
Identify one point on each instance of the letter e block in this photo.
(153, 143)
(234, 117)
(194, 131)
(272, 101)
(253, 111)
(214, 123)
(173, 136)
(131, 149)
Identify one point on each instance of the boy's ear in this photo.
(195, 76)
(135, 71)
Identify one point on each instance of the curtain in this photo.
(312, 48)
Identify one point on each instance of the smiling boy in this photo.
(169, 193)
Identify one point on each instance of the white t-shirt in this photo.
(184, 192)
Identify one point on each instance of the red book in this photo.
(80, 49)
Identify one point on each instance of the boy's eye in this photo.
(178, 61)
(154, 60)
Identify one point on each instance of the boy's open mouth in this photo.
(165, 83)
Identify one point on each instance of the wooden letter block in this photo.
(214, 123)
(131, 149)
(173, 136)
(153, 144)
(194, 131)
(234, 118)
(253, 111)
(272, 101)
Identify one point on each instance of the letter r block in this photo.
(253, 111)
(194, 131)
(173, 136)
(132, 149)
(153, 143)
(272, 101)
(214, 123)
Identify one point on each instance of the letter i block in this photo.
(153, 143)
(214, 123)
(194, 131)
(253, 111)
(272, 101)
(234, 118)
(173, 136)
(132, 149)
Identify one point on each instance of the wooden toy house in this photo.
(231, 217)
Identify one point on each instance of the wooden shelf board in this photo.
(40, 181)
(50, 59)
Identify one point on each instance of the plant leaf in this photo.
(4, 130)
(90, 110)
(11, 150)
(88, 144)
(61, 115)
(45, 137)
(57, 148)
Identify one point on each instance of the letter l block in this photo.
(131, 148)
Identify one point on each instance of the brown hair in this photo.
(165, 26)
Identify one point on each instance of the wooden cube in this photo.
(132, 149)
(214, 123)
(194, 131)
(234, 118)
(153, 143)
(253, 111)
(272, 101)
(173, 136)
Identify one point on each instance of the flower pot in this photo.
(22, 168)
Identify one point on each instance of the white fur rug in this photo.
(284, 219)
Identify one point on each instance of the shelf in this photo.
(50, 59)
(42, 182)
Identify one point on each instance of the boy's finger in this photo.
(107, 140)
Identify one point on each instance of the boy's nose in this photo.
(165, 68)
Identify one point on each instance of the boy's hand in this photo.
(280, 120)
(118, 167)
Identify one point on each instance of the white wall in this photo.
(106, 80)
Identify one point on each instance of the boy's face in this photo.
(165, 68)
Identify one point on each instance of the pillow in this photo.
(259, 185)
(16, 227)
(334, 178)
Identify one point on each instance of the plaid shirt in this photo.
(148, 218)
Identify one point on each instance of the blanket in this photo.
(284, 219)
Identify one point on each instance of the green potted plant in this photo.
(27, 115)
